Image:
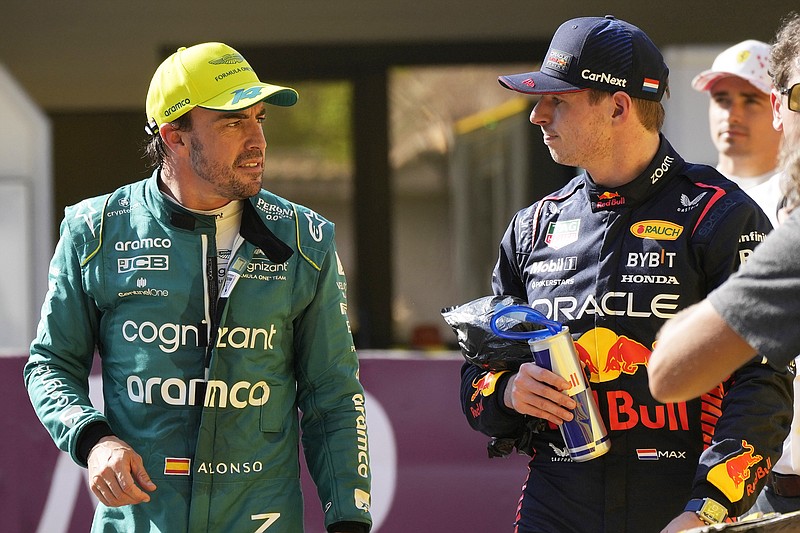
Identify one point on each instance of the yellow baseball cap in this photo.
(208, 75)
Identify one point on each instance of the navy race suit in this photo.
(614, 265)
(205, 381)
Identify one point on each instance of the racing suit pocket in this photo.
(273, 414)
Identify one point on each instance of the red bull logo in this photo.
(607, 355)
(624, 413)
(485, 384)
(735, 476)
(609, 199)
(739, 467)
(558, 60)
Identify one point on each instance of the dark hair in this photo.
(155, 150)
(785, 53)
(651, 113)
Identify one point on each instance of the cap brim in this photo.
(537, 83)
(706, 79)
(249, 94)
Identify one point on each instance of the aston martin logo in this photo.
(228, 59)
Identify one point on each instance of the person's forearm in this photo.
(694, 351)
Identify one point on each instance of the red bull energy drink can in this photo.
(585, 435)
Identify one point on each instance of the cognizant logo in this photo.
(170, 337)
(175, 391)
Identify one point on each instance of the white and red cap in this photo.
(748, 60)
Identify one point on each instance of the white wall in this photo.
(686, 125)
(25, 214)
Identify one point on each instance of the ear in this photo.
(174, 139)
(622, 105)
(775, 102)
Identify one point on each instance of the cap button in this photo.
(610, 17)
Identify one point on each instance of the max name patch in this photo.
(659, 230)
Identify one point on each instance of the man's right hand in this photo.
(537, 392)
(116, 472)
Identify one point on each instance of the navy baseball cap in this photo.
(597, 53)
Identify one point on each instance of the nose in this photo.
(255, 135)
(540, 114)
(735, 112)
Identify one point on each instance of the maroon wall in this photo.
(443, 480)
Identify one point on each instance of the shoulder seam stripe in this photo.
(718, 193)
(297, 231)
(99, 232)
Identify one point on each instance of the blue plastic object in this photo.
(530, 315)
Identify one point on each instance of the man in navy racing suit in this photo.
(620, 249)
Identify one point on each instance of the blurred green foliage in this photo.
(319, 123)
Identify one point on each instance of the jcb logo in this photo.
(143, 262)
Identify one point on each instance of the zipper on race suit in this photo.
(216, 299)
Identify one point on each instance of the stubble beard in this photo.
(223, 178)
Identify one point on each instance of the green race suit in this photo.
(205, 381)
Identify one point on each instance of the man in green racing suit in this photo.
(217, 310)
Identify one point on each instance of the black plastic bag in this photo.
(479, 344)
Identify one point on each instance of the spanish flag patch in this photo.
(177, 466)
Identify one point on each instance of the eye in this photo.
(721, 100)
